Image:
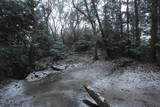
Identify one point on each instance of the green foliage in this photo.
(114, 45)
(15, 18)
(57, 50)
(16, 28)
(11, 60)
(82, 45)
(141, 52)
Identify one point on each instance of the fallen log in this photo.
(89, 103)
(101, 102)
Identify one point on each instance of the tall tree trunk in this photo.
(98, 19)
(137, 34)
(96, 51)
(154, 28)
(159, 18)
(127, 13)
(100, 27)
(121, 20)
(94, 32)
(62, 35)
(88, 16)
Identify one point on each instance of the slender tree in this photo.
(121, 20)
(98, 19)
(100, 27)
(92, 22)
(159, 17)
(86, 14)
(127, 13)
(137, 34)
(154, 27)
(74, 20)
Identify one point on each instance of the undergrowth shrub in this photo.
(82, 45)
(57, 51)
(11, 63)
(141, 52)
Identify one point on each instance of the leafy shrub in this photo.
(82, 45)
(11, 63)
(114, 47)
(57, 51)
(142, 52)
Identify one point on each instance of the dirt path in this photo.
(127, 86)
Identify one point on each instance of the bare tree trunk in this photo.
(49, 11)
(94, 30)
(96, 51)
(121, 20)
(62, 35)
(98, 19)
(101, 29)
(154, 28)
(137, 34)
(158, 17)
(75, 26)
(88, 16)
(127, 13)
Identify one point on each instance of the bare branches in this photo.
(88, 16)
(79, 10)
(98, 19)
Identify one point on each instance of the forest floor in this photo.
(122, 82)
